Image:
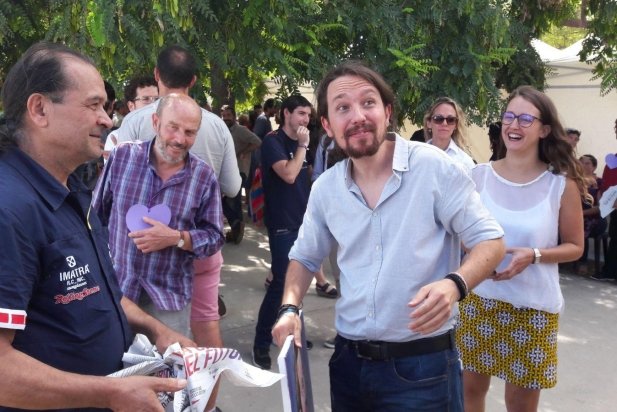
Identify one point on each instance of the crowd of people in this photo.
(436, 259)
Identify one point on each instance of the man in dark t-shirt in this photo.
(286, 184)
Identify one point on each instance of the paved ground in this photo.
(587, 338)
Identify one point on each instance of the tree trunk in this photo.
(221, 89)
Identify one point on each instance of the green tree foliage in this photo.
(425, 49)
(600, 47)
(530, 19)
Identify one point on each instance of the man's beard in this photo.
(365, 150)
(160, 147)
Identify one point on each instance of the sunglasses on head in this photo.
(450, 120)
(524, 119)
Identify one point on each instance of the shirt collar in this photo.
(452, 146)
(52, 191)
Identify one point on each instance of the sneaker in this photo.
(329, 343)
(261, 358)
(222, 307)
(602, 277)
(326, 290)
(309, 345)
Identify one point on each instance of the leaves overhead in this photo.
(459, 48)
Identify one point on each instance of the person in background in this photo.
(176, 72)
(245, 143)
(263, 126)
(594, 225)
(398, 252)
(154, 262)
(243, 120)
(286, 184)
(446, 128)
(139, 92)
(258, 109)
(498, 150)
(418, 136)
(64, 324)
(573, 136)
(120, 110)
(509, 323)
(609, 179)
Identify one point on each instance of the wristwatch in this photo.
(304, 145)
(181, 241)
(536, 255)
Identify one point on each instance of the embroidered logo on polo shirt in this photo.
(81, 295)
(12, 319)
(76, 276)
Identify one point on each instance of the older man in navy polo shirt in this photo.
(64, 323)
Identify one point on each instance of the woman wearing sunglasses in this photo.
(508, 325)
(445, 127)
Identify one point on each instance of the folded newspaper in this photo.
(201, 367)
(607, 201)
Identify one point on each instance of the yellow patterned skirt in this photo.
(518, 345)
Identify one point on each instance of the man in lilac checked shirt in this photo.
(155, 265)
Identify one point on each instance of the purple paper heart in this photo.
(611, 161)
(136, 213)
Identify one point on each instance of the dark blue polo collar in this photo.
(51, 191)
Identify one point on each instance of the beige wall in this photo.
(581, 106)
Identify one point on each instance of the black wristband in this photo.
(288, 308)
(460, 283)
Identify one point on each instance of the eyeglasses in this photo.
(147, 99)
(524, 119)
(450, 120)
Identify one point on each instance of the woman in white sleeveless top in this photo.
(508, 325)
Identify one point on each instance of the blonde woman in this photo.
(445, 127)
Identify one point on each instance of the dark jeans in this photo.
(610, 260)
(232, 206)
(281, 242)
(431, 382)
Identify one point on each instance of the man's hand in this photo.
(156, 238)
(288, 324)
(432, 306)
(139, 393)
(303, 135)
(168, 336)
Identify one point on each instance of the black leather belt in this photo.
(382, 351)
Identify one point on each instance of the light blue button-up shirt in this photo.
(386, 254)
